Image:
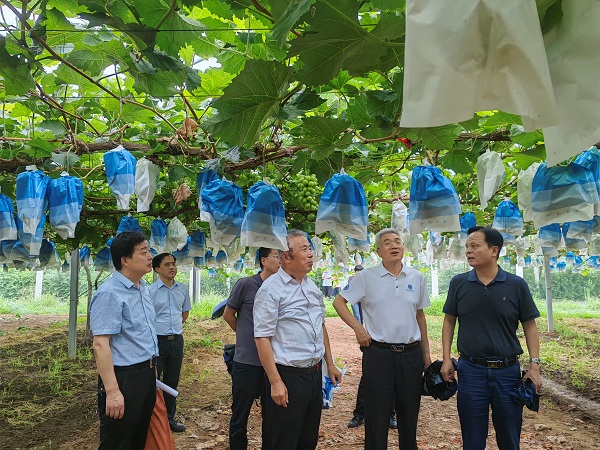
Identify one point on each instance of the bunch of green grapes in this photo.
(305, 192)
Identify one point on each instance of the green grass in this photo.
(46, 304)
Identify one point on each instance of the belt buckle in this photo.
(397, 348)
(497, 364)
(152, 363)
(170, 337)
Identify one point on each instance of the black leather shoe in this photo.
(356, 421)
(393, 423)
(176, 427)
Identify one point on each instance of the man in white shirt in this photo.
(394, 344)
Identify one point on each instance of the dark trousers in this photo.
(480, 387)
(170, 359)
(247, 384)
(297, 426)
(392, 378)
(138, 386)
(359, 410)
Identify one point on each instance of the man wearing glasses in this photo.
(394, 344)
(291, 338)
(248, 375)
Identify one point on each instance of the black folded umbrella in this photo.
(434, 384)
(524, 393)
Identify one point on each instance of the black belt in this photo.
(150, 364)
(494, 362)
(168, 337)
(300, 370)
(398, 348)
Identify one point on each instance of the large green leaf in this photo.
(526, 158)
(457, 161)
(286, 20)
(323, 135)
(252, 97)
(336, 42)
(436, 138)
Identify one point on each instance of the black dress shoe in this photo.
(176, 427)
(356, 421)
(393, 423)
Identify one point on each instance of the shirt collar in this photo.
(161, 284)
(500, 276)
(286, 277)
(126, 281)
(383, 271)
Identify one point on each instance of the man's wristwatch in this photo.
(536, 360)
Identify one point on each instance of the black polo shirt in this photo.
(488, 316)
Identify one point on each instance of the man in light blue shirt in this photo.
(125, 346)
(172, 305)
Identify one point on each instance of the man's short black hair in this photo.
(492, 237)
(263, 252)
(123, 245)
(158, 259)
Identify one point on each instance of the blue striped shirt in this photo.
(169, 304)
(125, 312)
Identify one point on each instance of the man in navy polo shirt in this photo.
(172, 305)
(394, 344)
(122, 320)
(489, 304)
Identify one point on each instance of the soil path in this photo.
(555, 427)
(70, 423)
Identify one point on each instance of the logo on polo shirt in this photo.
(409, 288)
(346, 287)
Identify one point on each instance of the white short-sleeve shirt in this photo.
(389, 303)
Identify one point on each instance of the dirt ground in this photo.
(35, 416)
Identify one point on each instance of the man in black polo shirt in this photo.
(489, 304)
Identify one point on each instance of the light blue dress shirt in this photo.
(125, 312)
(169, 304)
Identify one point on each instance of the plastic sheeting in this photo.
(573, 243)
(434, 204)
(359, 245)
(574, 60)
(197, 244)
(466, 56)
(223, 202)
(590, 159)
(8, 225)
(490, 174)
(146, 179)
(103, 261)
(85, 256)
(399, 217)
(343, 207)
(202, 179)
(31, 241)
(467, 221)
(264, 221)
(32, 199)
(562, 194)
(65, 200)
(158, 235)
(120, 174)
(508, 219)
(177, 236)
(524, 182)
(550, 237)
(129, 223)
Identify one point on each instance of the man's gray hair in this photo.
(292, 234)
(384, 232)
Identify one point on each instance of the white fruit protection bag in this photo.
(464, 56)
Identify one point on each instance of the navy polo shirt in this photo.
(488, 316)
